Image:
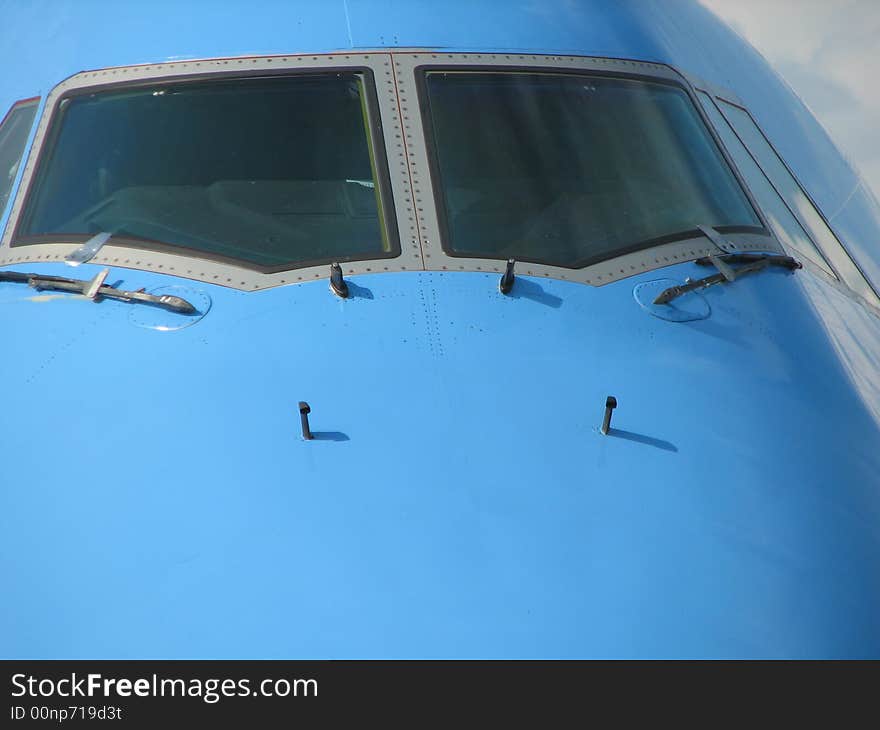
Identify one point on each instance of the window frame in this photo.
(816, 257)
(399, 130)
(842, 250)
(411, 68)
(385, 139)
(718, 94)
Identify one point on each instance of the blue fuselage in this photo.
(157, 498)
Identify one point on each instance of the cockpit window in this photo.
(782, 221)
(568, 169)
(271, 173)
(14, 130)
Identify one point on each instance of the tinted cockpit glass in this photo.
(568, 170)
(271, 172)
(14, 130)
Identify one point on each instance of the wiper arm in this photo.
(97, 288)
(751, 263)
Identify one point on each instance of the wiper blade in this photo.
(88, 250)
(751, 263)
(95, 288)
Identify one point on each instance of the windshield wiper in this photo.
(751, 263)
(97, 288)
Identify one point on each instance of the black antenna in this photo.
(506, 283)
(304, 411)
(610, 405)
(337, 283)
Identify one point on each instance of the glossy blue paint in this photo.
(157, 499)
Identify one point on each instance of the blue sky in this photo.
(827, 50)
